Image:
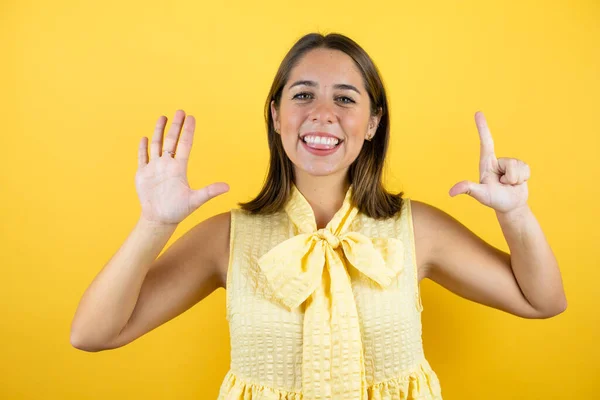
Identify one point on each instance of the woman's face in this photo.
(324, 114)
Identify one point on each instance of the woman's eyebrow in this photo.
(315, 84)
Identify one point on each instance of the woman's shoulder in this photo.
(424, 217)
(219, 226)
(431, 227)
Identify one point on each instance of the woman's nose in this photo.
(322, 113)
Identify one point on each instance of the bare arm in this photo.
(457, 259)
(134, 293)
(527, 282)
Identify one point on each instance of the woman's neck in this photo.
(325, 194)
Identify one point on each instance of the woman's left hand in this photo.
(503, 181)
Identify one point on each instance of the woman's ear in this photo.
(374, 124)
(275, 116)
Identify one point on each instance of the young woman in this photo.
(322, 268)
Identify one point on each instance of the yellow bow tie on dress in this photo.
(311, 268)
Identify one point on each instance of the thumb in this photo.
(475, 190)
(201, 196)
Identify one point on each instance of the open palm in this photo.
(161, 184)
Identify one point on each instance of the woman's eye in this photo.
(299, 96)
(307, 96)
(346, 100)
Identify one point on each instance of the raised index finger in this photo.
(486, 148)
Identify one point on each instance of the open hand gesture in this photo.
(162, 184)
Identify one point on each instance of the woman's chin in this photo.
(321, 168)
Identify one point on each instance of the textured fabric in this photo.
(330, 313)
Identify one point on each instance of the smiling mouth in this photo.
(321, 142)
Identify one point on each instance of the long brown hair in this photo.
(365, 173)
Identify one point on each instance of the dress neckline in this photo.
(302, 215)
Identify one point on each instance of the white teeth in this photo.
(321, 140)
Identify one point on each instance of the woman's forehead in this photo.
(326, 68)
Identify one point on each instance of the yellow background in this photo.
(84, 81)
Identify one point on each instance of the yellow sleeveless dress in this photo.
(333, 313)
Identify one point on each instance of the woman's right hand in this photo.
(161, 184)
